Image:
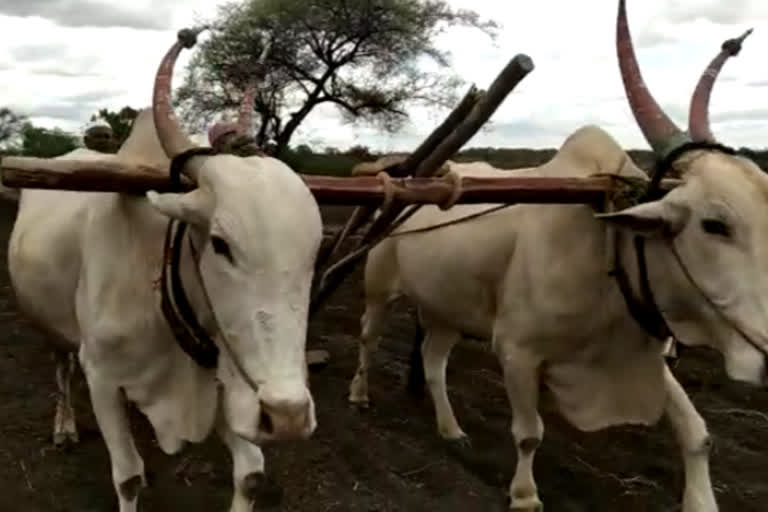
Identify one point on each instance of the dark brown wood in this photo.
(85, 175)
(512, 74)
(512, 189)
(457, 116)
(110, 176)
(364, 213)
(515, 71)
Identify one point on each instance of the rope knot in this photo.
(456, 191)
(389, 190)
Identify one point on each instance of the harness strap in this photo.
(734, 325)
(179, 161)
(190, 335)
(645, 311)
(232, 356)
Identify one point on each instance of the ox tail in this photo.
(416, 384)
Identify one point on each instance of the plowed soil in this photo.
(388, 458)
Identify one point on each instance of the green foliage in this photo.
(335, 162)
(332, 164)
(364, 57)
(45, 143)
(11, 125)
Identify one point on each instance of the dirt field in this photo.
(388, 458)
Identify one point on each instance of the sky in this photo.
(62, 60)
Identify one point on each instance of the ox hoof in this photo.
(462, 442)
(527, 508)
(459, 445)
(65, 441)
(360, 403)
(262, 491)
(527, 505)
(317, 359)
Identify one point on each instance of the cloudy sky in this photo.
(64, 59)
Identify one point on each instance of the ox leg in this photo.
(371, 326)
(64, 425)
(247, 473)
(521, 380)
(435, 351)
(112, 417)
(695, 442)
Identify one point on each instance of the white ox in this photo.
(65, 232)
(88, 274)
(535, 281)
(65, 419)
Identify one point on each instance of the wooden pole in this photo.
(363, 213)
(111, 176)
(85, 175)
(513, 73)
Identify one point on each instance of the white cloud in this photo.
(63, 62)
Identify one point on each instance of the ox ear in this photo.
(193, 207)
(653, 219)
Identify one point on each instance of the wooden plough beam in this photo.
(462, 124)
(111, 176)
(412, 183)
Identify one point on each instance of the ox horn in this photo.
(243, 124)
(698, 115)
(172, 138)
(246, 105)
(659, 130)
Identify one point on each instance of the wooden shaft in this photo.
(512, 74)
(111, 176)
(363, 213)
(85, 175)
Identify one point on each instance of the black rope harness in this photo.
(644, 310)
(190, 335)
(177, 310)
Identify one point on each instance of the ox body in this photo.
(537, 282)
(89, 274)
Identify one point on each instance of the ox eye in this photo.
(221, 247)
(716, 227)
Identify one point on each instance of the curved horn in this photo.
(172, 138)
(698, 114)
(246, 104)
(245, 111)
(659, 130)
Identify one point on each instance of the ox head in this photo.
(256, 228)
(706, 240)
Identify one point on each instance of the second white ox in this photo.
(89, 274)
(535, 280)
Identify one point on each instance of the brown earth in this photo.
(388, 458)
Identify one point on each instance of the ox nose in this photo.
(286, 419)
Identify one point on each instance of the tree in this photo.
(45, 143)
(360, 152)
(11, 125)
(366, 57)
(120, 122)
